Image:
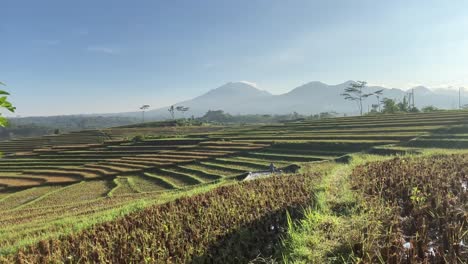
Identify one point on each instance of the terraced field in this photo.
(54, 184)
(207, 154)
(73, 138)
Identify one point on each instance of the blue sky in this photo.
(88, 56)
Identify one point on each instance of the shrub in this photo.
(138, 138)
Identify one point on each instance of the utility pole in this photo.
(411, 99)
(378, 102)
(459, 97)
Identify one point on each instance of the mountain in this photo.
(235, 90)
(310, 98)
(233, 97)
(421, 90)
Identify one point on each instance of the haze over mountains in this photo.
(311, 98)
(238, 98)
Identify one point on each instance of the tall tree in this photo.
(404, 105)
(5, 104)
(143, 108)
(389, 106)
(171, 111)
(182, 109)
(377, 95)
(354, 92)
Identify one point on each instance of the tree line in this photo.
(355, 93)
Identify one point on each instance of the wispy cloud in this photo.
(102, 49)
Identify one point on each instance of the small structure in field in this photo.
(272, 170)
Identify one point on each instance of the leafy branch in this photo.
(5, 104)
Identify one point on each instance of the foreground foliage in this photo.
(5, 104)
(233, 223)
(428, 203)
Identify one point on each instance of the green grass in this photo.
(79, 192)
(17, 199)
(232, 166)
(228, 162)
(228, 169)
(150, 183)
(328, 230)
(210, 169)
(180, 179)
(123, 186)
(261, 161)
(340, 219)
(285, 157)
(200, 174)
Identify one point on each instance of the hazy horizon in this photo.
(451, 90)
(113, 56)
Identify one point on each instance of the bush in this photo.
(138, 138)
(430, 108)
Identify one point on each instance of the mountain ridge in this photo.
(310, 98)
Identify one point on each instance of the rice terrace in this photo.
(102, 196)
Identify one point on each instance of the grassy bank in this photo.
(350, 224)
(329, 230)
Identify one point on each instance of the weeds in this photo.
(426, 203)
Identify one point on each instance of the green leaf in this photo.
(7, 105)
(4, 92)
(3, 122)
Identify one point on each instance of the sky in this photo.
(74, 57)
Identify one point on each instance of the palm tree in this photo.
(171, 110)
(143, 108)
(182, 109)
(354, 93)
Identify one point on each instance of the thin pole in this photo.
(459, 97)
(360, 99)
(408, 103)
(378, 102)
